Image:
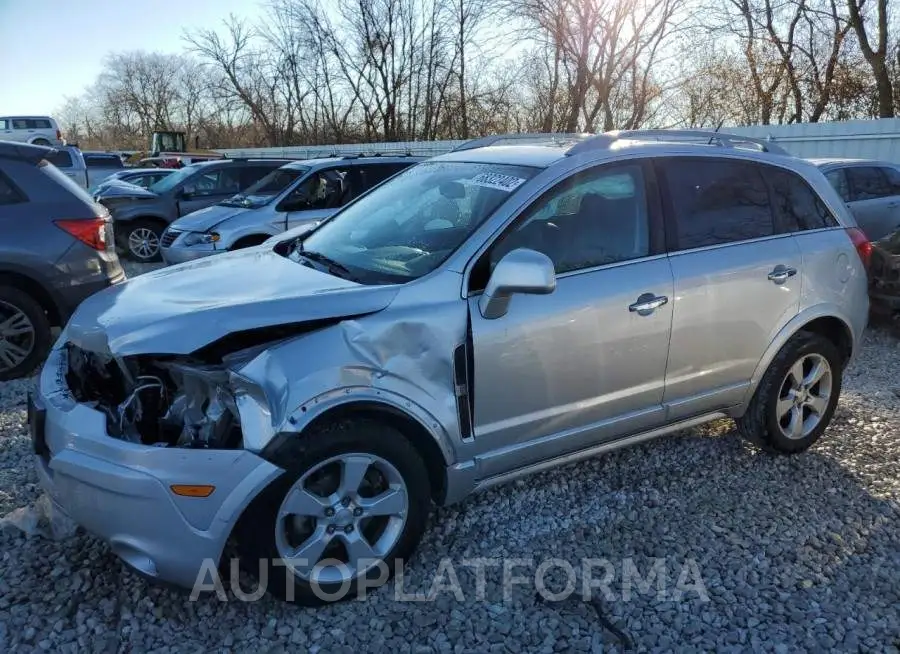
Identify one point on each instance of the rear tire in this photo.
(43, 142)
(24, 334)
(379, 519)
(796, 397)
(140, 240)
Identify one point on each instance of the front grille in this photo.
(169, 237)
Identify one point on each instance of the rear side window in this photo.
(60, 159)
(893, 178)
(797, 205)
(8, 193)
(716, 201)
(838, 180)
(41, 123)
(374, 174)
(867, 183)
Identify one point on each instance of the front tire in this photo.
(350, 508)
(796, 397)
(24, 334)
(141, 240)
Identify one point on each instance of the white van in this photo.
(37, 130)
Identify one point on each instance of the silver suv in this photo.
(483, 315)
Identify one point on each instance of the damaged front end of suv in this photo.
(161, 401)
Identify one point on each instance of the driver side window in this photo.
(324, 189)
(593, 218)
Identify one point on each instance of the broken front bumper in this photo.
(121, 491)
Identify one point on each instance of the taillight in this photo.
(91, 231)
(58, 135)
(861, 243)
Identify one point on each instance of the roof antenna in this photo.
(716, 131)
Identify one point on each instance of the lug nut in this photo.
(348, 529)
(329, 512)
(357, 512)
(345, 501)
(330, 529)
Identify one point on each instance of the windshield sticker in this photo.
(496, 180)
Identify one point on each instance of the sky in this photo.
(52, 49)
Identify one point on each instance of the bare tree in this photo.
(606, 51)
(875, 53)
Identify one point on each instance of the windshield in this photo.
(169, 182)
(408, 226)
(266, 189)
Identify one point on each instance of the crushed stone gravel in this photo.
(793, 554)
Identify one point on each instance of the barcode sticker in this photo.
(498, 181)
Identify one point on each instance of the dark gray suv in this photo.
(56, 248)
(142, 215)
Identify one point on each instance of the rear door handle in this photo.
(781, 273)
(647, 303)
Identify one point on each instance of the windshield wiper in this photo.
(334, 267)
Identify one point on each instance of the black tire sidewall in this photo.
(256, 530)
(795, 349)
(42, 337)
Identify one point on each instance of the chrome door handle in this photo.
(647, 303)
(781, 273)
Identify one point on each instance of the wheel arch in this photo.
(421, 437)
(36, 290)
(249, 240)
(143, 217)
(827, 321)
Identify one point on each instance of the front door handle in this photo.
(781, 273)
(647, 303)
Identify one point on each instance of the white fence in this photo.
(419, 148)
(855, 139)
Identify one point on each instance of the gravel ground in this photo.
(774, 554)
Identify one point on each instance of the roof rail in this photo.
(722, 139)
(485, 141)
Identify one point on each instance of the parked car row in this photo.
(483, 315)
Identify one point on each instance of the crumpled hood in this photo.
(207, 218)
(179, 309)
(116, 188)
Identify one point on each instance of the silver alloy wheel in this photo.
(16, 336)
(143, 243)
(804, 396)
(334, 533)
